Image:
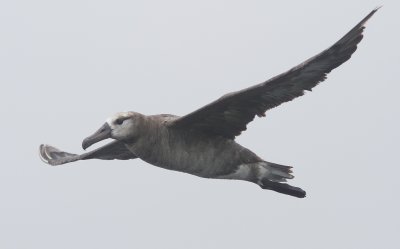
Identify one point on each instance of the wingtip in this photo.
(364, 21)
(42, 154)
(45, 156)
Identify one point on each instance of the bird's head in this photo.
(123, 126)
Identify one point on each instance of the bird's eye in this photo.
(119, 121)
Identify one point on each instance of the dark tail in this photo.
(283, 188)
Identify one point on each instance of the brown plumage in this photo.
(202, 142)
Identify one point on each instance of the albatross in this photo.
(202, 143)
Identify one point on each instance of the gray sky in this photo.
(68, 65)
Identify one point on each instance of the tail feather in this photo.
(276, 172)
(272, 175)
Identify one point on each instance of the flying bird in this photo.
(202, 143)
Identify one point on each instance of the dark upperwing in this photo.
(229, 115)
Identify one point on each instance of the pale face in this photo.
(123, 126)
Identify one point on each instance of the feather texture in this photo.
(229, 115)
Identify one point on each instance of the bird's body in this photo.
(202, 143)
(188, 151)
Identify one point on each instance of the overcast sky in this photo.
(65, 66)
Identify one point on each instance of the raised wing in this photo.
(113, 150)
(229, 115)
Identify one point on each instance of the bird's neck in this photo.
(150, 133)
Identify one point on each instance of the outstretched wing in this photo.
(229, 115)
(114, 150)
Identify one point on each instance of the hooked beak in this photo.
(103, 133)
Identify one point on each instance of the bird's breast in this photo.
(194, 153)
